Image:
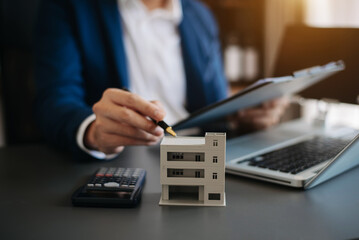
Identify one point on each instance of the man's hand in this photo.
(121, 120)
(261, 117)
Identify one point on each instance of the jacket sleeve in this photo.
(60, 105)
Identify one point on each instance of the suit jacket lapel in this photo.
(194, 60)
(114, 34)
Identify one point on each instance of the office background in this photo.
(252, 33)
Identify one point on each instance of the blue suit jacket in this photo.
(80, 53)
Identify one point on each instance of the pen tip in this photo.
(170, 131)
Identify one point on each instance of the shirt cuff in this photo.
(80, 140)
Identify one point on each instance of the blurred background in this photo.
(260, 38)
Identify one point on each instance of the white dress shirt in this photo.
(154, 60)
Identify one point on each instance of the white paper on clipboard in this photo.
(259, 92)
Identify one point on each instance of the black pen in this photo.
(162, 124)
(165, 127)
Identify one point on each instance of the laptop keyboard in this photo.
(301, 156)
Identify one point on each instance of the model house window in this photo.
(197, 174)
(177, 156)
(214, 196)
(198, 158)
(215, 143)
(214, 176)
(215, 159)
(177, 172)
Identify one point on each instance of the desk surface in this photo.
(36, 183)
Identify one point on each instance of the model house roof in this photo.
(188, 141)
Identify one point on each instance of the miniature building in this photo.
(192, 170)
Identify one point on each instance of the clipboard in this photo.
(259, 92)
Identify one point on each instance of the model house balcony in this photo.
(185, 173)
(185, 157)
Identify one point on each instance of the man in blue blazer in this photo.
(87, 50)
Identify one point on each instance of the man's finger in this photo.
(112, 141)
(135, 102)
(113, 127)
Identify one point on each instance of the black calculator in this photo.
(111, 187)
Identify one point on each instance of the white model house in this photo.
(192, 170)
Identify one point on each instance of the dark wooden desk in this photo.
(36, 183)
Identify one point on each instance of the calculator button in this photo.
(90, 185)
(131, 186)
(98, 185)
(101, 172)
(118, 173)
(111, 184)
(110, 172)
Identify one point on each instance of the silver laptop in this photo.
(295, 153)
